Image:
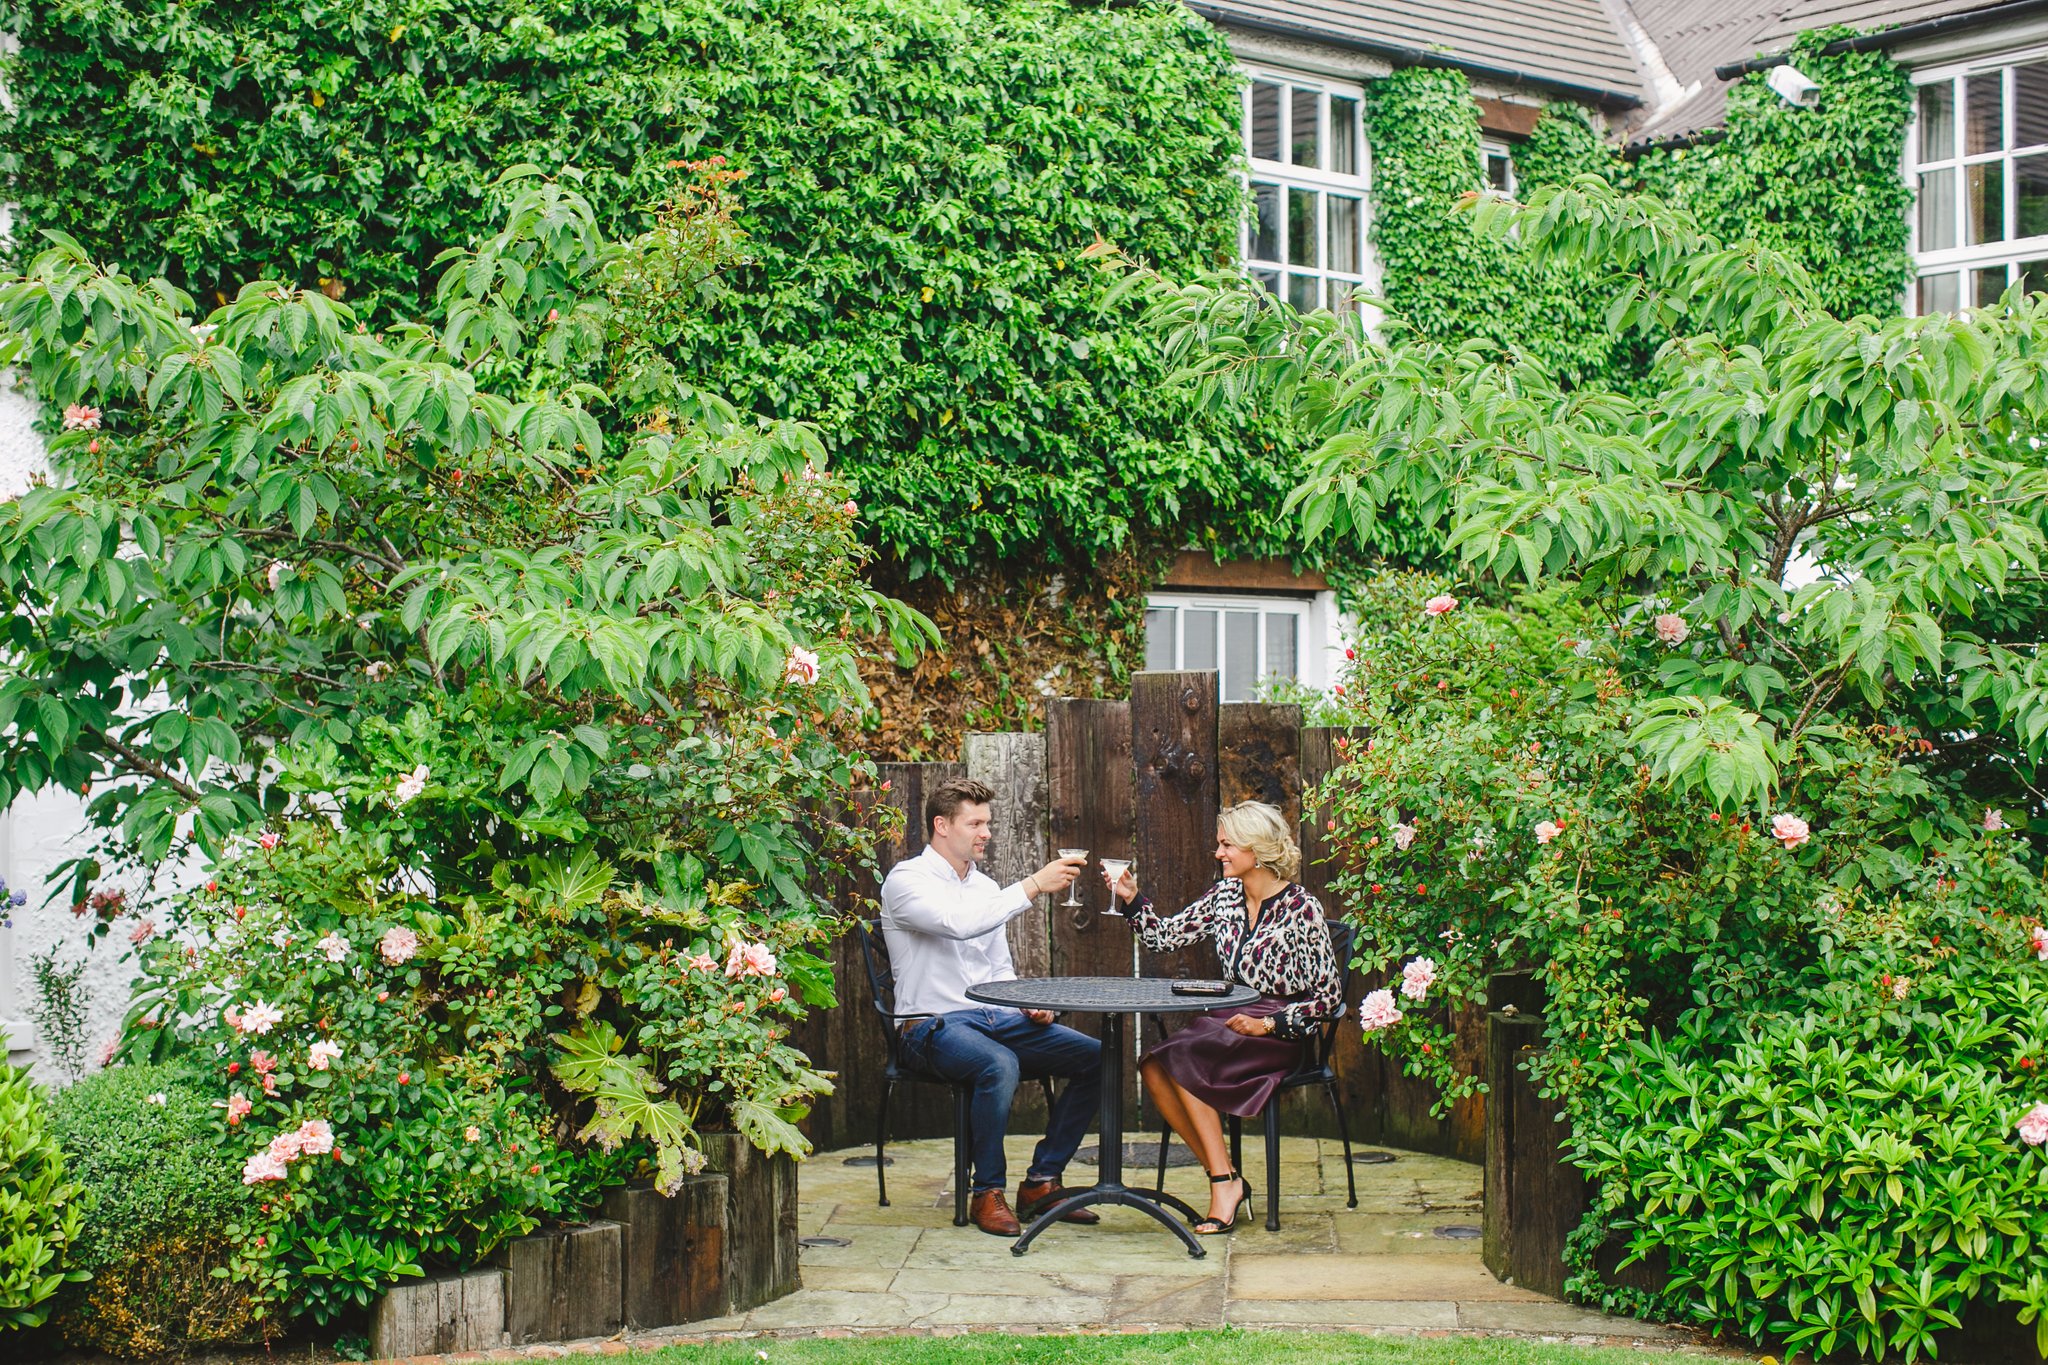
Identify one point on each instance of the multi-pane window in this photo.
(1979, 168)
(1305, 239)
(1247, 640)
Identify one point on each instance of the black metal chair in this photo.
(874, 953)
(1315, 1069)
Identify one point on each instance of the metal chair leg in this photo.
(1273, 1163)
(962, 1118)
(1165, 1136)
(1344, 1132)
(881, 1146)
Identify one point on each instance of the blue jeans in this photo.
(992, 1050)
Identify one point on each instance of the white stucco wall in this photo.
(39, 832)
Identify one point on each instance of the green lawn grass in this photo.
(1160, 1348)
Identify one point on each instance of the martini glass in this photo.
(1114, 869)
(1073, 888)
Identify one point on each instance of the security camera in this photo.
(1794, 86)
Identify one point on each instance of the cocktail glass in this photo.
(1074, 887)
(1114, 869)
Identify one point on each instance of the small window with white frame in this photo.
(1978, 163)
(1247, 640)
(1305, 140)
(1497, 167)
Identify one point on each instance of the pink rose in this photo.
(1378, 1011)
(261, 1167)
(334, 946)
(79, 417)
(703, 962)
(238, 1109)
(2034, 1126)
(107, 1051)
(472, 1133)
(750, 959)
(323, 1054)
(1789, 830)
(398, 944)
(2039, 935)
(801, 667)
(1671, 628)
(777, 996)
(1417, 977)
(260, 1017)
(1404, 835)
(267, 840)
(262, 1063)
(851, 509)
(143, 932)
(1994, 821)
(1546, 830)
(285, 1146)
(315, 1137)
(1438, 605)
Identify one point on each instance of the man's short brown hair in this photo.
(949, 796)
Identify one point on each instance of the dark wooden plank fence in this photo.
(1141, 779)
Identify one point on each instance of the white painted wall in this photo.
(39, 832)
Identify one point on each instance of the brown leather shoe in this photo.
(991, 1213)
(1034, 1195)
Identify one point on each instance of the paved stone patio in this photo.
(1380, 1266)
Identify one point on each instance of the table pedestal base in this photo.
(1147, 1200)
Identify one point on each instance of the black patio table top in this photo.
(1112, 997)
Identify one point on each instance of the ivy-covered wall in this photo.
(1440, 277)
(922, 176)
(1821, 183)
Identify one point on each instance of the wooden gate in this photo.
(1138, 779)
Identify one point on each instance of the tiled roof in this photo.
(1570, 43)
(1695, 36)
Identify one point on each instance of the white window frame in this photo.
(1332, 287)
(1316, 631)
(1490, 148)
(1964, 260)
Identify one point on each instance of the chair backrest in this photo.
(1343, 939)
(874, 955)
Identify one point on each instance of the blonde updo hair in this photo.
(1262, 829)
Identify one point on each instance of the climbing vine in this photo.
(1820, 183)
(1445, 281)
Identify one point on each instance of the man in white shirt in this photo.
(944, 921)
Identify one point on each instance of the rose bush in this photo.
(502, 679)
(1862, 947)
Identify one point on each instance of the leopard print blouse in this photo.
(1288, 953)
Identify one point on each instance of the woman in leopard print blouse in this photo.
(1269, 934)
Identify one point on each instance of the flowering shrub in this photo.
(1693, 949)
(545, 656)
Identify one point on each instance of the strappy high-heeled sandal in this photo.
(1214, 1227)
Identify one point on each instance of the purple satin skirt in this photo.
(1229, 1071)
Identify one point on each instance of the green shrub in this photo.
(145, 1141)
(39, 1205)
(1840, 1178)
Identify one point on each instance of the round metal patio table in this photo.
(1112, 997)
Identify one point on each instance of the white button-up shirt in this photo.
(945, 932)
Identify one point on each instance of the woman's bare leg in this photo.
(1200, 1127)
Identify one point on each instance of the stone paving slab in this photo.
(1382, 1266)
